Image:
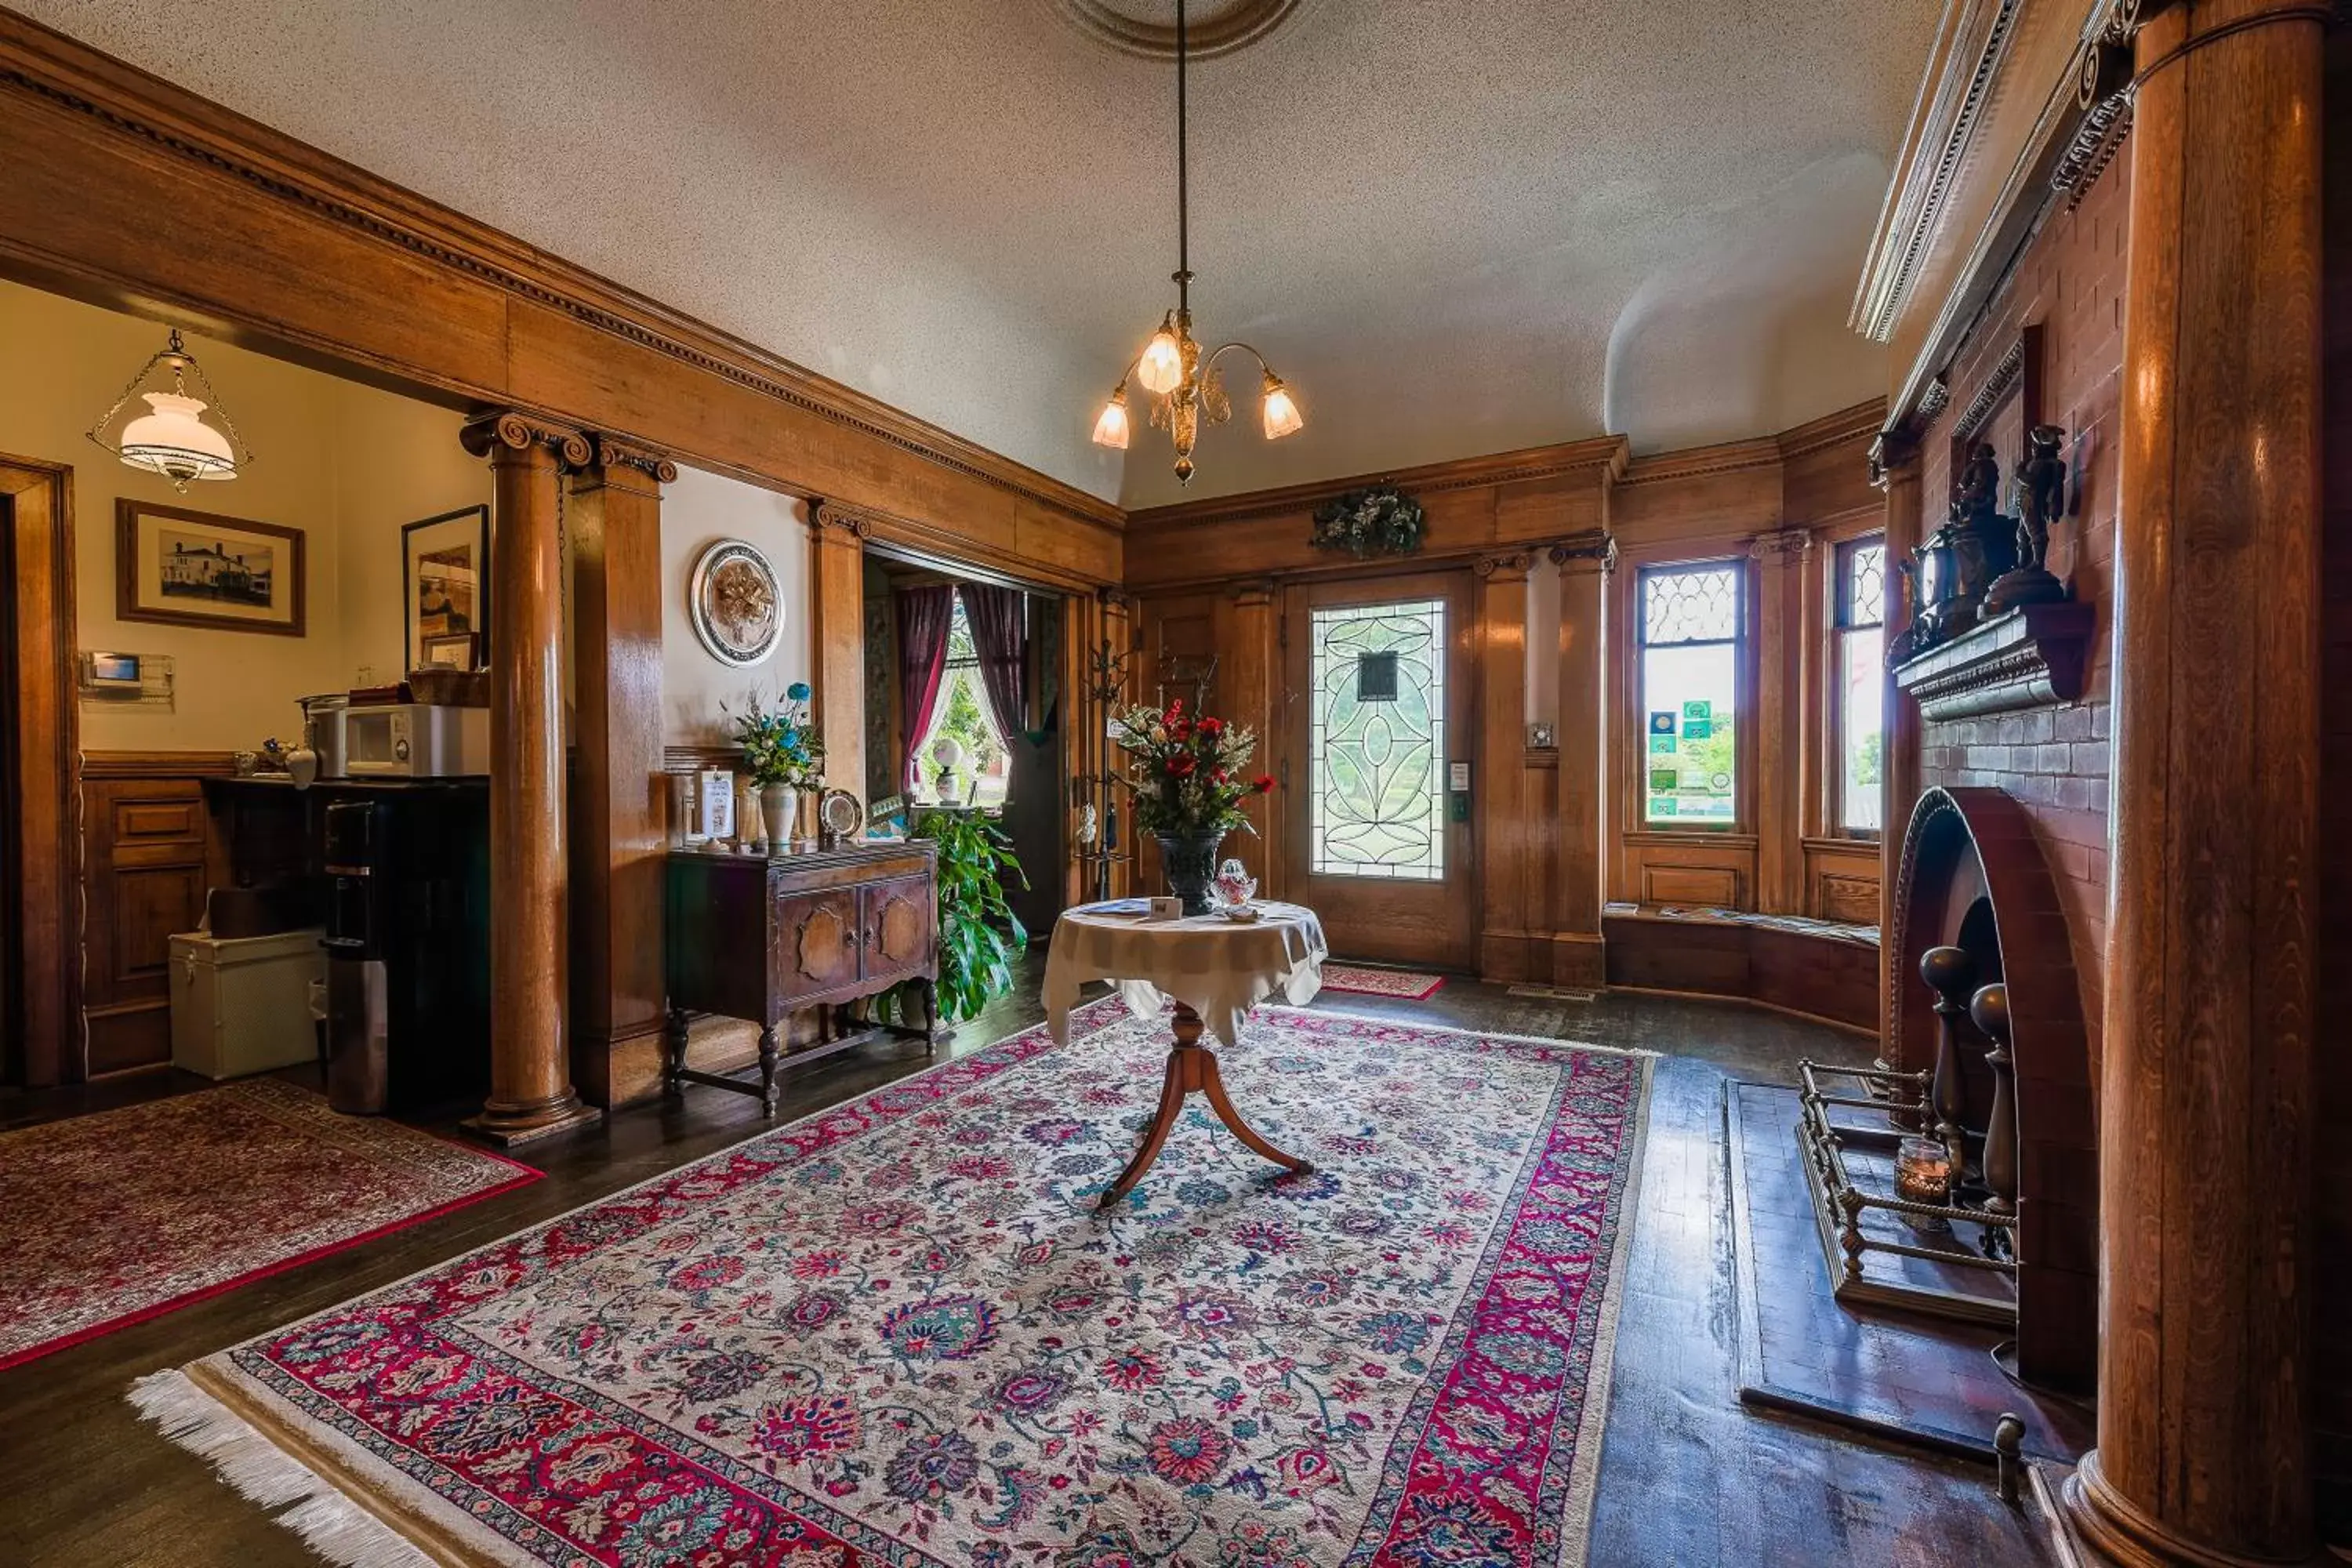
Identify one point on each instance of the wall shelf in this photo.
(2027, 657)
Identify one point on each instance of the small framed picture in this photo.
(454, 651)
(445, 584)
(189, 568)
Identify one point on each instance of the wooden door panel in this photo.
(899, 928)
(1395, 919)
(817, 944)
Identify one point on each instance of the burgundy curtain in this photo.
(999, 636)
(924, 616)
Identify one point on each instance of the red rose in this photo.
(1181, 764)
(1212, 726)
(1264, 783)
(1218, 774)
(1175, 706)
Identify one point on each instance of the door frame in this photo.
(1455, 583)
(44, 757)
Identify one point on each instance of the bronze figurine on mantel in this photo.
(1980, 563)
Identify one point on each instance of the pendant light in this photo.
(1186, 387)
(172, 438)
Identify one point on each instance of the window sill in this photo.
(1848, 843)
(1733, 836)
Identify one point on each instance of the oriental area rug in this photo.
(116, 1217)
(902, 1331)
(1405, 984)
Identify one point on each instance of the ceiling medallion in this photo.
(1133, 26)
(1185, 381)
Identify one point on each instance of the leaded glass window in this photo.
(1861, 659)
(1691, 626)
(1376, 758)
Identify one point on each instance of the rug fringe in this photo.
(337, 1529)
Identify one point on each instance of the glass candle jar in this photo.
(1923, 1171)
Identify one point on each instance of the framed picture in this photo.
(445, 586)
(197, 568)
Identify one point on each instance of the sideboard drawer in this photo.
(898, 929)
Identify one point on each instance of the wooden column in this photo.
(36, 599)
(1776, 623)
(1248, 680)
(1585, 563)
(838, 580)
(2206, 1109)
(619, 812)
(530, 1084)
(1119, 628)
(1895, 463)
(1503, 829)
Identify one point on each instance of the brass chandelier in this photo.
(1186, 385)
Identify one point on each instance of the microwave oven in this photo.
(416, 741)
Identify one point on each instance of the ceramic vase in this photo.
(780, 807)
(1190, 860)
(302, 766)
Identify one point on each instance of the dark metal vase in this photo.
(1190, 861)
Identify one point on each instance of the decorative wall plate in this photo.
(734, 601)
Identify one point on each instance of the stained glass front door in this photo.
(1377, 700)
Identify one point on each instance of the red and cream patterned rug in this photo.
(900, 1330)
(116, 1217)
(1405, 984)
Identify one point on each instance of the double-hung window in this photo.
(1693, 618)
(1861, 670)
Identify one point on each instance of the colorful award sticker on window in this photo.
(1662, 723)
(1698, 729)
(1664, 779)
(1662, 806)
(1698, 709)
(1661, 745)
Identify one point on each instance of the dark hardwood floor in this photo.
(1688, 1477)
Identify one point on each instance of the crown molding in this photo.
(1859, 422)
(1599, 455)
(1692, 462)
(72, 77)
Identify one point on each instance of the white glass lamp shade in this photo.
(1110, 431)
(948, 752)
(172, 440)
(1162, 365)
(1282, 416)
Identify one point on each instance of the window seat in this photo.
(1821, 969)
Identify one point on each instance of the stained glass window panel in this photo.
(1376, 780)
(1861, 673)
(1690, 642)
(1696, 605)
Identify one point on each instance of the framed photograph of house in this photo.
(446, 584)
(198, 569)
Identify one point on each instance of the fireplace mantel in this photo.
(2026, 657)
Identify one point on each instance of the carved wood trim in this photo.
(72, 78)
(613, 453)
(2019, 371)
(2033, 655)
(158, 765)
(519, 432)
(1608, 454)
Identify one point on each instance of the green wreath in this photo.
(1380, 520)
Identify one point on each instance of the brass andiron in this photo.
(1989, 1008)
(1952, 974)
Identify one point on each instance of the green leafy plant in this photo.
(979, 933)
(1380, 520)
(780, 745)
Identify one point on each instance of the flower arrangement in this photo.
(1187, 775)
(781, 746)
(1380, 520)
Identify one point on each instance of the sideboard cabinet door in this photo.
(817, 940)
(899, 929)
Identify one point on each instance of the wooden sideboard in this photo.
(758, 937)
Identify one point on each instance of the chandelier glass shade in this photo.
(173, 439)
(1186, 386)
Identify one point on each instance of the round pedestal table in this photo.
(1213, 969)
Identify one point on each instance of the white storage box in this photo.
(242, 1005)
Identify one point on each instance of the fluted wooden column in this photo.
(530, 1082)
(838, 576)
(1585, 563)
(618, 797)
(1895, 462)
(2205, 1117)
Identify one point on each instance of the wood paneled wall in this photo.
(1575, 521)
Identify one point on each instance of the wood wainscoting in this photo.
(149, 850)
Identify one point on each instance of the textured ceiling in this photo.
(1456, 228)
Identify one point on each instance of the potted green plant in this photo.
(1187, 781)
(979, 933)
(784, 755)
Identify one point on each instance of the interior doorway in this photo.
(965, 709)
(40, 1003)
(1378, 829)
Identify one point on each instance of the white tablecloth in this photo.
(1219, 968)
